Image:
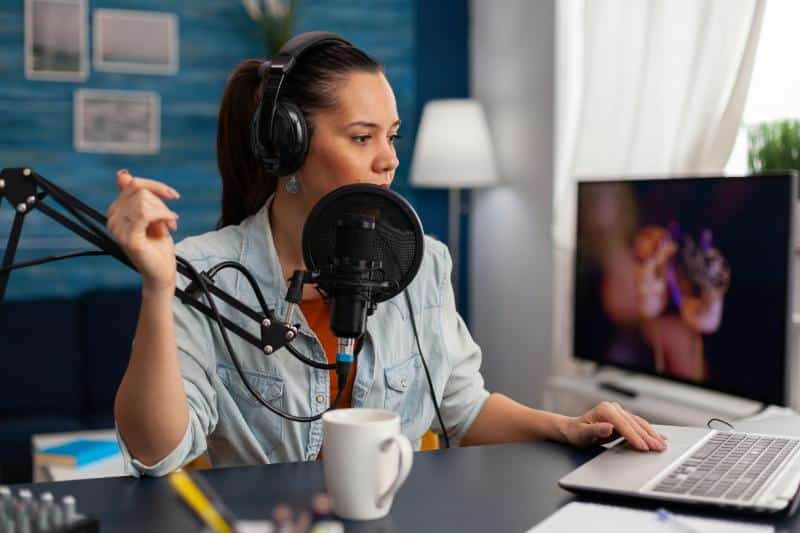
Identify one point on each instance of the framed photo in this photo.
(123, 122)
(141, 42)
(56, 42)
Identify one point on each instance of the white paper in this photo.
(595, 518)
(253, 526)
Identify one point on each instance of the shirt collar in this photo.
(261, 258)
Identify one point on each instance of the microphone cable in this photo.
(393, 255)
(265, 309)
(427, 372)
(223, 331)
(50, 259)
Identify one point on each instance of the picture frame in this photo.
(56, 40)
(136, 42)
(123, 122)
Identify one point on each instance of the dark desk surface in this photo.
(508, 487)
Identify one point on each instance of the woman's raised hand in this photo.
(141, 222)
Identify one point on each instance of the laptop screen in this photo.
(688, 279)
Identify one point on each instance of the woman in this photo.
(180, 395)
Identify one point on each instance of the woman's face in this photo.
(354, 141)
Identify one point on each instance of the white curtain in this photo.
(643, 87)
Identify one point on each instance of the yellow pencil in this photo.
(194, 498)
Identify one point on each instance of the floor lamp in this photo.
(453, 151)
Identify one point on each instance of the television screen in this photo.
(687, 278)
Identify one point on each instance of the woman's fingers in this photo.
(631, 432)
(140, 221)
(650, 436)
(151, 213)
(637, 431)
(123, 179)
(650, 430)
(139, 203)
(163, 227)
(129, 184)
(597, 432)
(146, 218)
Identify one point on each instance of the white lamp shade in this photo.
(453, 148)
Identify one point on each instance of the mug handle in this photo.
(406, 457)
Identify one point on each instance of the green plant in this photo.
(277, 19)
(774, 146)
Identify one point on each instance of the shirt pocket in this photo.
(407, 395)
(266, 425)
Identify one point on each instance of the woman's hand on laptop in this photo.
(608, 421)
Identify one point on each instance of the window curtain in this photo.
(643, 88)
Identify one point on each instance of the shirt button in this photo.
(320, 398)
(311, 456)
(403, 383)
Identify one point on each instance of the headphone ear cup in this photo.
(290, 137)
(257, 136)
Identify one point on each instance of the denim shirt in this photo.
(229, 424)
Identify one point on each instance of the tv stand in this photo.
(659, 400)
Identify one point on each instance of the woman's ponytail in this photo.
(245, 183)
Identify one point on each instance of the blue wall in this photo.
(215, 35)
(443, 72)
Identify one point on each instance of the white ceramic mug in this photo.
(366, 460)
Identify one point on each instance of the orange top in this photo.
(318, 316)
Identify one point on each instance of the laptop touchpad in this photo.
(624, 469)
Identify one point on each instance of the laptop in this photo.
(672, 279)
(745, 471)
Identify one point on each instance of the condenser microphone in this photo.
(352, 269)
(363, 244)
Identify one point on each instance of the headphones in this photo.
(278, 132)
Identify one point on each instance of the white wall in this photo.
(511, 263)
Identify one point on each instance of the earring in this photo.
(293, 185)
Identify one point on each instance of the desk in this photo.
(507, 487)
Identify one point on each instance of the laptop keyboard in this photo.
(731, 466)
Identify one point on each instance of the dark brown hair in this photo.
(311, 84)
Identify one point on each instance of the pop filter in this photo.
(364, 245)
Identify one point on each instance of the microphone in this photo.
(362, 244)
(349, 286)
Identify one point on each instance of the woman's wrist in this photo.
(559, 427)
(157, 289)
(547, 425)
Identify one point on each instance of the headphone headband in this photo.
(262, 68)
(274, 73)
(294, 47)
